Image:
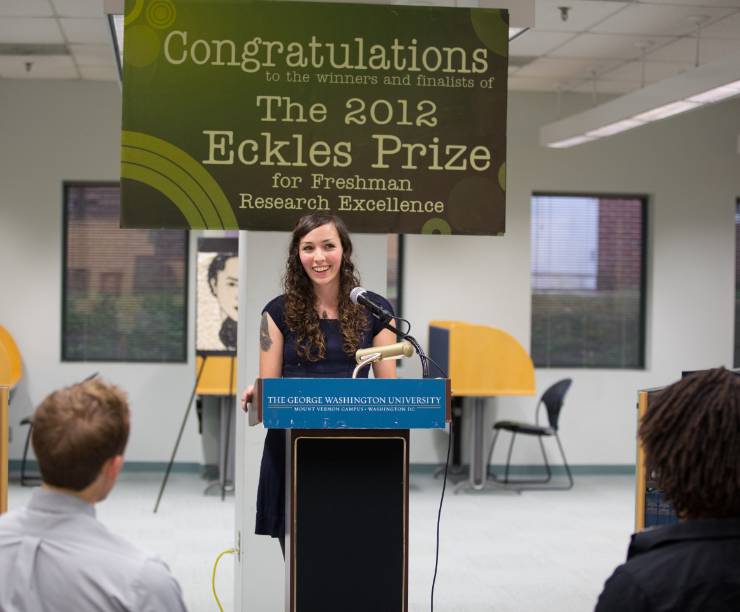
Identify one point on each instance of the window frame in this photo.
(644, 200)
(66, 186)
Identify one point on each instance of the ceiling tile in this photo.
(85, 31)
(602, 46)
(25, 8)
(607, 87)
(42, 67)
(713, 49)
(535, 42)
(99, 73)
(729, 27)
(582, 15)
(684, 50)
(562, 70)
(700, 3)
(654, 71)
(29, 30)
(78, 8)
(93, 55)
(656, 20)
(517, 83)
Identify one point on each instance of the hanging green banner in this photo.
(252, 114)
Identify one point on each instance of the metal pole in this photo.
(476, 460)
(179, 435)
(229, 410)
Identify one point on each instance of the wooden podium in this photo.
(347, 458)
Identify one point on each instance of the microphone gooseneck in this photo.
(361, 296)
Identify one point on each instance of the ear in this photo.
(113, 467)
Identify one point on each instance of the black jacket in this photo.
(692, 566)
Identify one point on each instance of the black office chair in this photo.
(553, 400)
(28, 480)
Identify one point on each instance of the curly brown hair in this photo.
(301, 316)
(691, 436)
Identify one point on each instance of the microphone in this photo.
(388, 351)
(359, 295)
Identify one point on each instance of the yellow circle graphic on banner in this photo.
(436, 226)
(502, 176)
(491, 29)
(179, 177)
(142, 46)
(135, 12)
(161, 14)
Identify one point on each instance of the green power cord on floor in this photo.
(228, 551)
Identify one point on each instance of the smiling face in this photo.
(320, 252)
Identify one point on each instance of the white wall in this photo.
(688, 166)
(52, 132)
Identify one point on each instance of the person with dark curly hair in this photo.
(312, 330)
(691, 437)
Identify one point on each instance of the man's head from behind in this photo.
(79, 435)
(691, 435)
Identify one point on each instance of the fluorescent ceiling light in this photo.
(684, 92)
(717, 94)
(668, 110)
(614, 128)
(570, 142)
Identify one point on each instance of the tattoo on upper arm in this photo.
(265, 340)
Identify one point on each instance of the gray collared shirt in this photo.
(56, 556)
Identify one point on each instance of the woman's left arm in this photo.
(387, 367)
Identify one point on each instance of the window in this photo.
(737, 284)
(124, 290)
(588, 281)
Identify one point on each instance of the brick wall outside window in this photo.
(588, 285)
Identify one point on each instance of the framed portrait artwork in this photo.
(217, 295)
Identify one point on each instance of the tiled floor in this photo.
(502, 552)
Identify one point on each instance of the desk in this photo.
(481, 361)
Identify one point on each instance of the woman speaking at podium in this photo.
(311, 331)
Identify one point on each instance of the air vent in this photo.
(22, 49)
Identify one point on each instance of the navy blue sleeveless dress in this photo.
(336, 364)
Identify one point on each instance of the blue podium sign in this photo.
(346, 403)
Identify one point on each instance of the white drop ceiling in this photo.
(78, 25)
(610, 47)
(604, 46)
